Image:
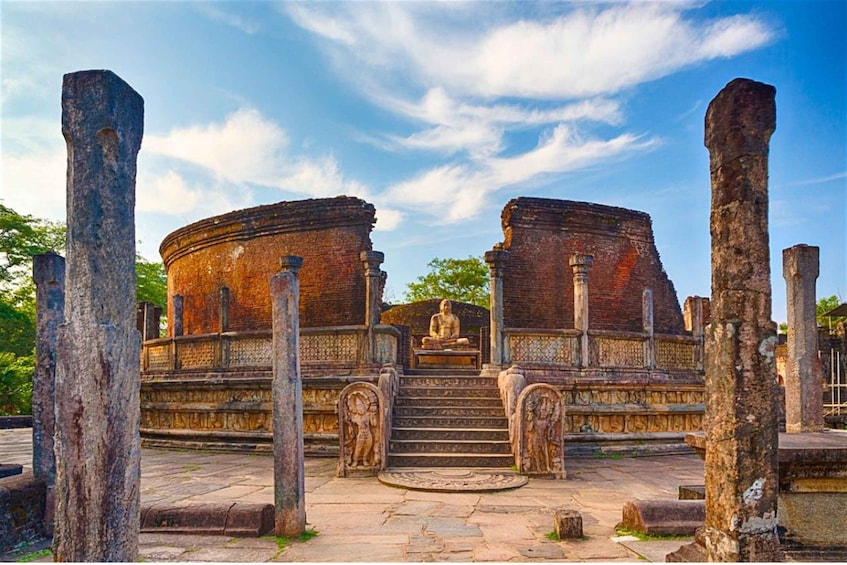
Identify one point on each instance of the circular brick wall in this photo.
(241, 251)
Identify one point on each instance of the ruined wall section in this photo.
(242, 249)
(541, 234)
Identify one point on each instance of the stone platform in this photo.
(446, 359)
(812, 485)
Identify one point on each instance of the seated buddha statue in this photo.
(443, 329)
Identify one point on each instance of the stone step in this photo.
(450, 434)
(450, 422)
(438, 411)
(449, 446)
(470, 381)
(448, 392)
(469, 401)
(443, 372)
(472, 460)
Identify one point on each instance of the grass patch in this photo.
(190, 468)
(282, 542)
(553, 536)
(35, 555)
(615, 456)
(622, 531)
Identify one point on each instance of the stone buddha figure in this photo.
(444, 329)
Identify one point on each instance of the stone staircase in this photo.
(449, 420)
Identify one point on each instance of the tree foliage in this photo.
(823, 306)
(21, 238)
(463, 280)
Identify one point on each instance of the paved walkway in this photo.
(360, 519)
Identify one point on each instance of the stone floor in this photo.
(361, 519)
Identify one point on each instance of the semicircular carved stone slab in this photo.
(540, 430)
(361, 430)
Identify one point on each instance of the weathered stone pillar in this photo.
(647, 324)
(496, 259)
(694, 312)
(223, 314)
(148, 320)
(98, 459)
(804, 373)
(289, 476)
(48, 274)
(581, 264)
(177, 315)
(372, 261)
(741, 388)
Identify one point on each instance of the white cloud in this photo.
(457, 192)
(213, 12)
(245, 148)
(166, 194)
(586, 51)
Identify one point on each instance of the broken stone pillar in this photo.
(581, 264)
(804, 373)
(48, 274)
(695, 311)
(372, 260)
(177, 315)
(496, 259)
(741, 387)
(97, 442)
(647, 324)
(148, 320)
(287, 390)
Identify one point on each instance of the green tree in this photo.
(823, 306)
(15, 384)
(463, 280)
(151, 282)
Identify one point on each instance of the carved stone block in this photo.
(540, 431)
(568, 524)
(361, 430)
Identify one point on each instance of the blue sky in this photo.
(440, 112)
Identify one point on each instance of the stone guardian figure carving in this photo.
(540, 418)
(360, 430)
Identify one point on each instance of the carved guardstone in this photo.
(540, 419)
(97, 442)
(361, 430)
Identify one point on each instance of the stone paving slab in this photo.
(362, 520)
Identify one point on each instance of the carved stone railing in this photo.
(607, 349)
(344, 345)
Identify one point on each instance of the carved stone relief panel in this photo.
(540, 433)
(361, 430)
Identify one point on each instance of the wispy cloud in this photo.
(486, 75)
(820, 180)
(214, 12)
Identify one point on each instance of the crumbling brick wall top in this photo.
(541, 234)
(241, 251)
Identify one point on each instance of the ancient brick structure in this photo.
(240, 251)
(538, 292)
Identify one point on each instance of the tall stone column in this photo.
(287, 390)
(647, 324)
(223, 302)
(804, 374)
(48, 273)
(177, 315)
(741, 387)
(372, 260)
(496, 259)
(581, 265)
(98, 458)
